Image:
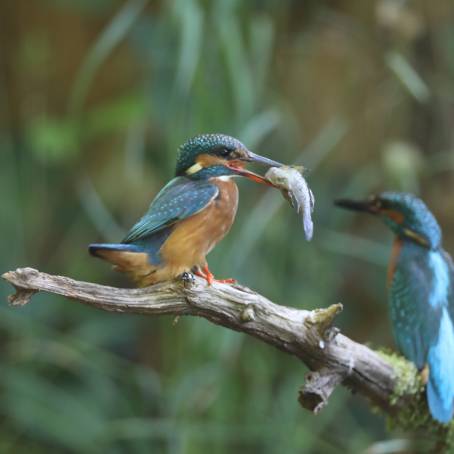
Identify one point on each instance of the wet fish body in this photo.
(295, 189)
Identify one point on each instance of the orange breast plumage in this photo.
(193, 238)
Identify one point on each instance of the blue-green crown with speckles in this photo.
(417, 217)
(202, 144)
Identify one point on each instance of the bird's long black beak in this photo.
(252, 157)
(365, 206)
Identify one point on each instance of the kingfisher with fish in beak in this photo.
(190, 214)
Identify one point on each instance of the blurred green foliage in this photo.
(96, 96)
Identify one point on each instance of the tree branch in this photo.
(308, 335)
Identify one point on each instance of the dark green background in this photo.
(95, 97)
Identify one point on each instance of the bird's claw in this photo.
(187, 278)
(226, 281)
(209, 276)
(331, 333)
(424, 374)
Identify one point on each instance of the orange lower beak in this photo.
(238, 167)
(251, 175)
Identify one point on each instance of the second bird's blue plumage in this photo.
(421, 293)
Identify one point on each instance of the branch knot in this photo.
(323, 319)
(318, 387)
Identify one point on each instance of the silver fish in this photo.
(295, 189)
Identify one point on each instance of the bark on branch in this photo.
(308, 335)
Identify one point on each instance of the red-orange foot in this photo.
(226, 281)
(209, 277)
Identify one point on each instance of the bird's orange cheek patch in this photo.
(397, 217)
(207, 160)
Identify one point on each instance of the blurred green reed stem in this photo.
(109, 38)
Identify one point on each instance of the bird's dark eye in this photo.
(224, 151)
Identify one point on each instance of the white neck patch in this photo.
(194, 169)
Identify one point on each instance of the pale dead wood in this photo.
(308, 335)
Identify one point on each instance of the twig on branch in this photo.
(319, 385)
(308, 335)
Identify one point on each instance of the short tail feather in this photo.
(124, 257)
(98, 249)
(441, 408)
(440, 388)
(131, 259)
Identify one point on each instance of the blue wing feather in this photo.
(414, 320)
(179, 199)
